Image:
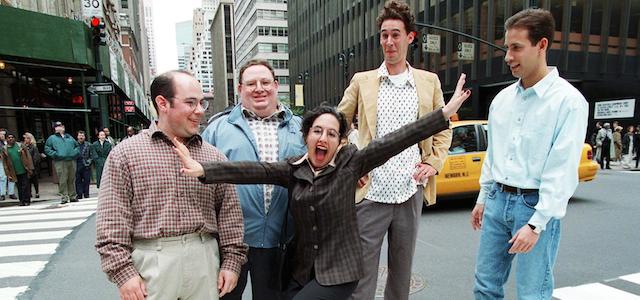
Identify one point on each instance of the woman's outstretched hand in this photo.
(190, 167)
(459, 96)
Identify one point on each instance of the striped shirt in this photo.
(144, 196)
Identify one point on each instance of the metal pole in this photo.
(104, 109)
(462, 34)
(86, 105)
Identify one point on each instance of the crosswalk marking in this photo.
(40, 225)
(38, 249)
(11, 292)
(50, 216)
(35, 230)
(21, 269)
(593, 291)
(33, 236)
(635, 278)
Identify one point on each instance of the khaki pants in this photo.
(66, 170)
(181, 267)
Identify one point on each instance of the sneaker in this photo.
(13, 196)
(63, 201)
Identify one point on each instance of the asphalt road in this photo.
(600, 241)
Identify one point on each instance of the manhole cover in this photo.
(416, 285)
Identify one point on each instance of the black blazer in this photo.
(322, 206)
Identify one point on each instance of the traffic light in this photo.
(99, 34)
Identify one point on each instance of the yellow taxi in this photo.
(462, 168)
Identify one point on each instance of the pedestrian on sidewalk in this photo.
(605, 140)
(617, 143)
(99, 152)
(628, 147)
(18, 167)
(83, 166)
(636, 144)
(108, 136)
(328, 260)
(36, 157)
(161, 235)
(531, 167)
(259, 128)
(7, 187)
(62, 148)
(390, 198)
(597, 147)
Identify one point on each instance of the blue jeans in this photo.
(6, 187)
(504, 214)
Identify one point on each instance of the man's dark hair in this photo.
(8, 134)
(313, 114)
(256, 62)
(397, 10)
(538, 22)
(82, 132)
(162, 85)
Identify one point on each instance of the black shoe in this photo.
(28, 203)
(13, 196)
(2, 198)
(74, 200)
(37, 195)
(23, 204)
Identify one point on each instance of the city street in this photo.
(599, 247)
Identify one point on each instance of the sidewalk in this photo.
(617, 166)
(48, 192)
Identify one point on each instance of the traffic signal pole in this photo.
(99, 38)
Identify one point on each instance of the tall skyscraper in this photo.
(148, 20)
(184, 32)
(199, 63)
(223, 57)
(261, 32)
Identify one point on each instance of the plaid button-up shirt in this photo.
(144, 196)
(265, 130)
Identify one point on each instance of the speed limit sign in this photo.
(92, 8)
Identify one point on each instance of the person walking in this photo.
(36, 157)
(259, 128)
(328, 259)
(628, 147)
(99, 152)
(18, 167)
(62, 148)
(161, 235)
(536, 132)
(391, 197)
(597, 147)
(604, 139)
(83, 166)
(617, 143)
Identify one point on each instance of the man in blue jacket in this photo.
(63, 150)
(258, 129)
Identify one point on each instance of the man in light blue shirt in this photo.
(536, 130)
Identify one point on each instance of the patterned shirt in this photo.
(397, 106)
(144, 196)
(265, 131)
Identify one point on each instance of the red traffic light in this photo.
(95, 22)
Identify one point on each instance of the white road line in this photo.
(36, 249)
(35, 210)
(21, 269)
(11, 292)
(635, 278)
(592, 291)
(40, 225)
(33, 236)
(46, 216)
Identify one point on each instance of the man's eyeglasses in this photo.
(253, 84)
(193, 103)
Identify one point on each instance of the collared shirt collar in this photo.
(543, 85)
(279, 114)
(383, 73)
(156, 134)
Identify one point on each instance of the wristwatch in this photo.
(535, 229)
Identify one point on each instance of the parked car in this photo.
(461, 171)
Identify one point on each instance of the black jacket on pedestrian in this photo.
(322, 205)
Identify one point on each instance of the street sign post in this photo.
(465, 51)
(101, 88)
(92, 8)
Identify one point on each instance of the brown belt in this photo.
(515, 190)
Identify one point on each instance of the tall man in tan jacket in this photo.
(390, 199)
